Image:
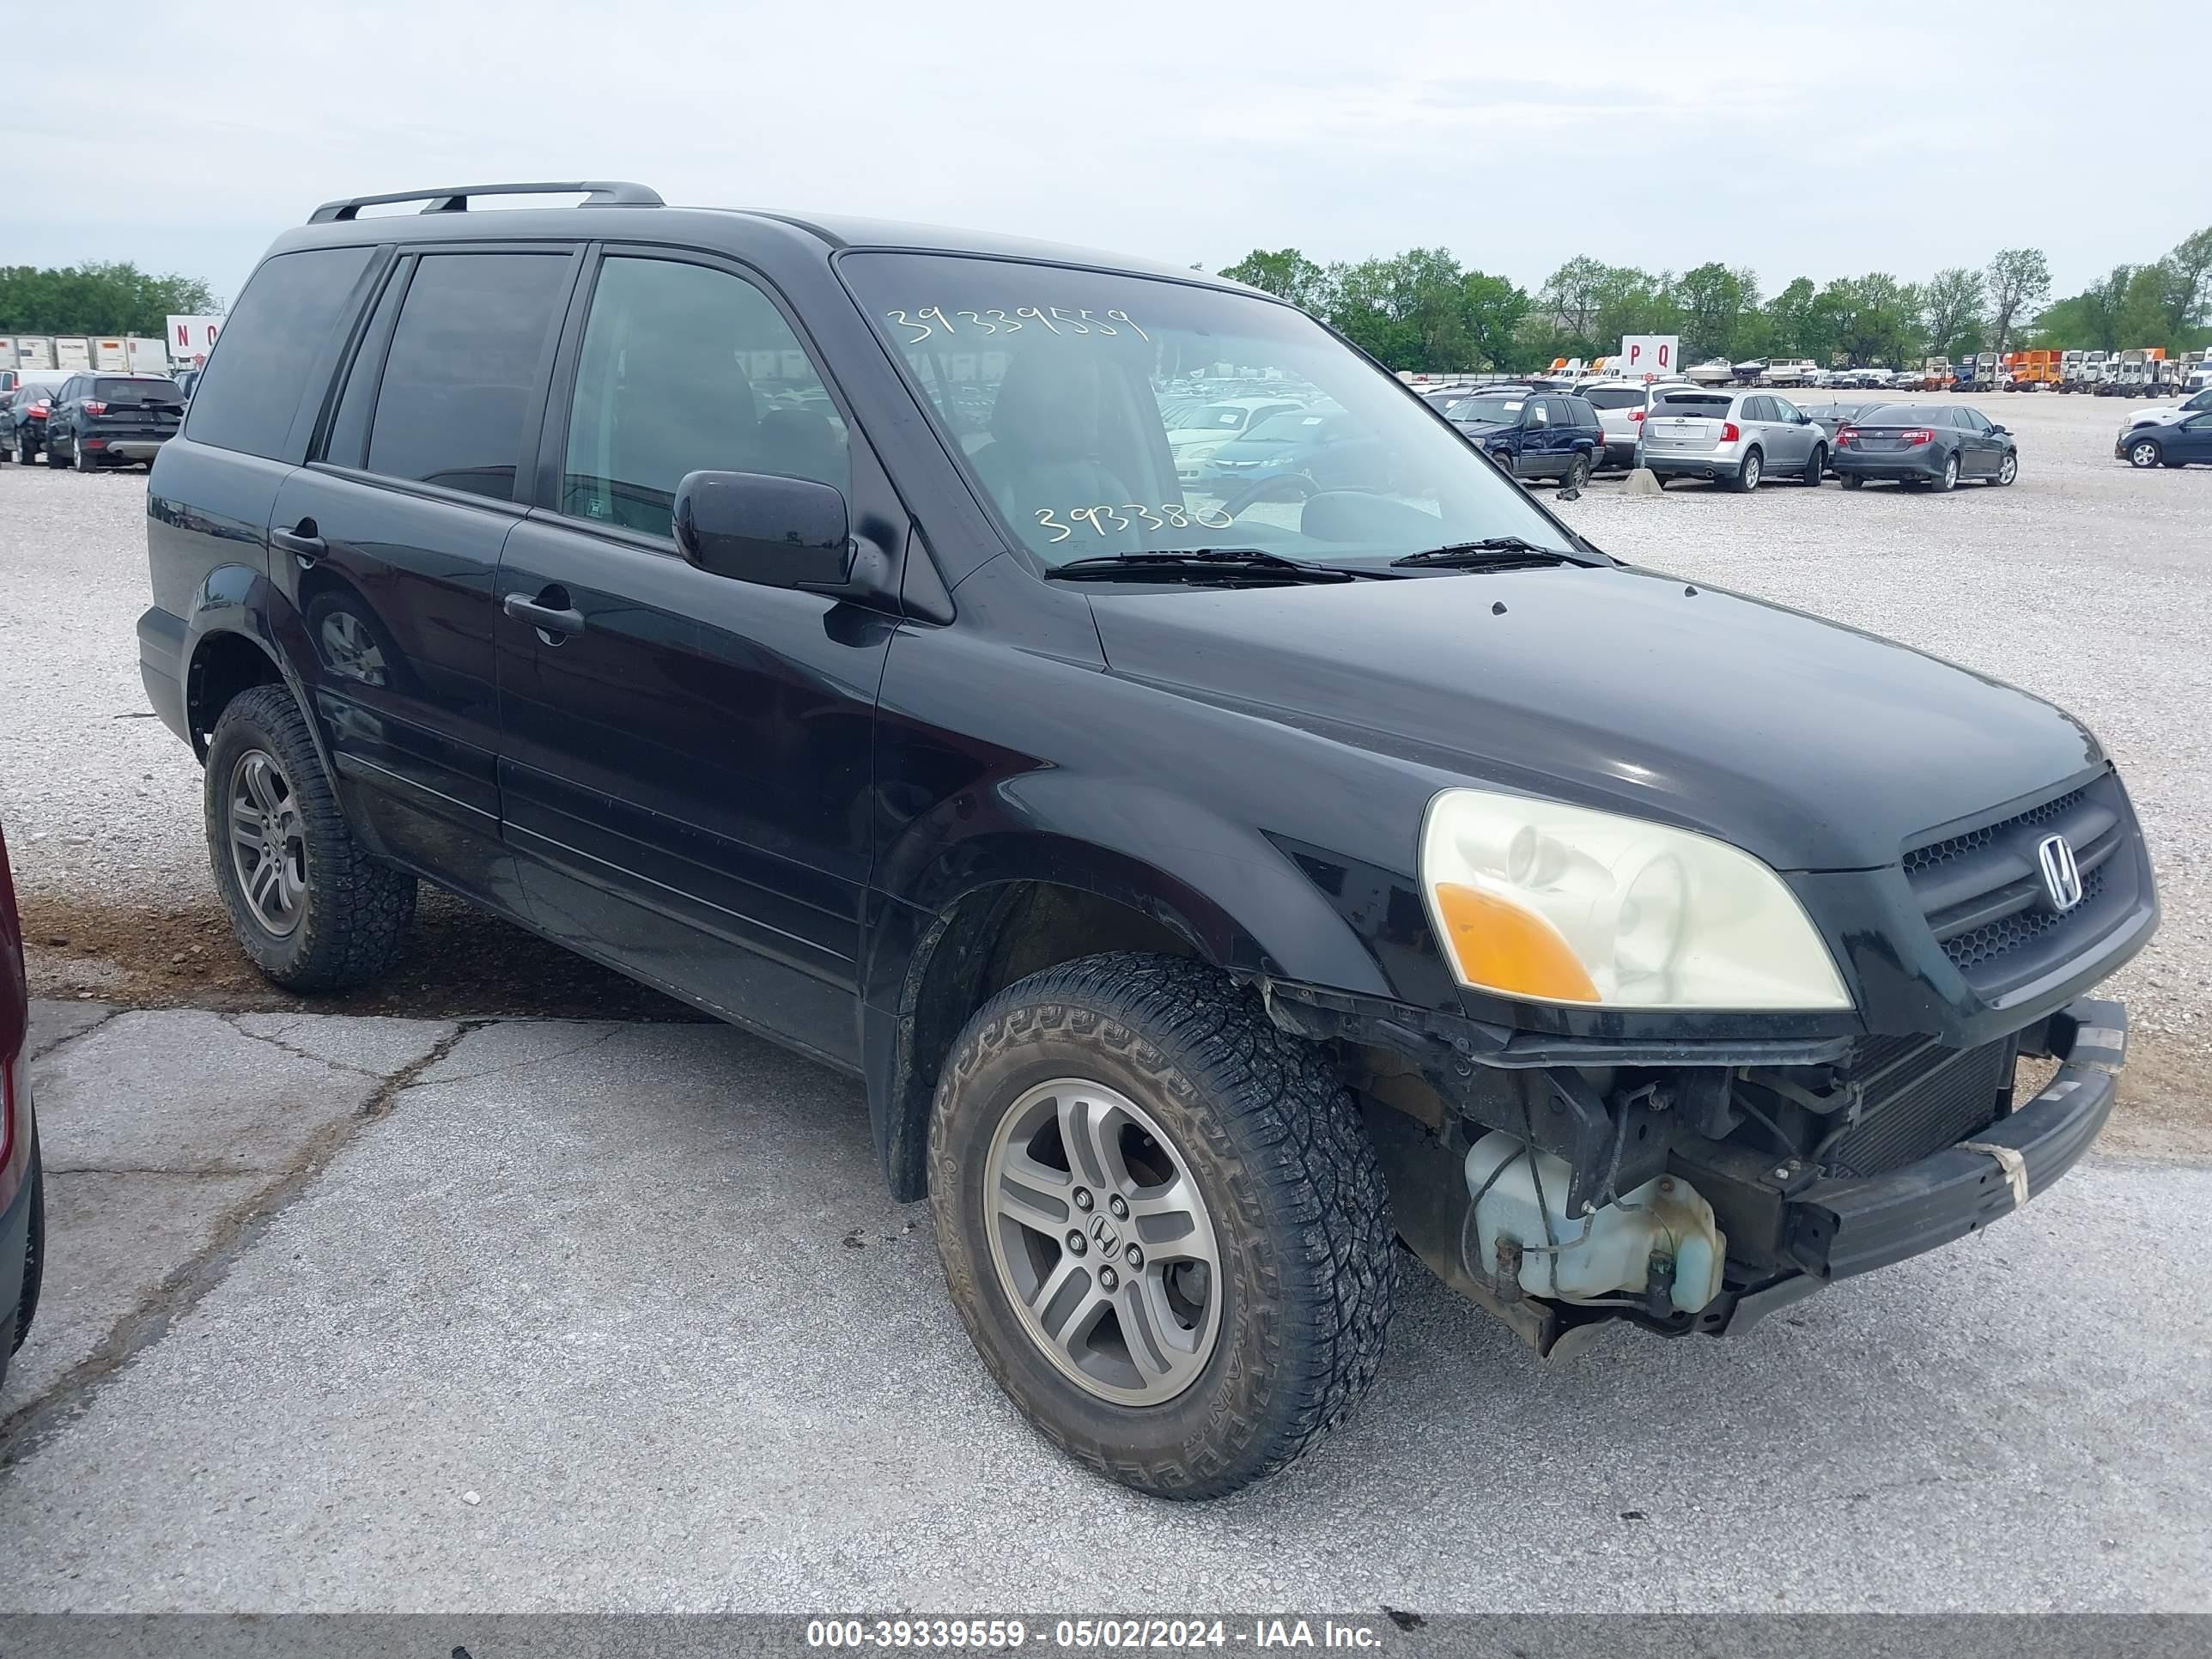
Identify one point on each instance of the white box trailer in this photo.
(72, 351)
(111, 354)
(147, 356)
(34, 351)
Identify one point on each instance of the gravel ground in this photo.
(2087, 582)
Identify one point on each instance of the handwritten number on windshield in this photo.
(1106, 520)
(994, 320)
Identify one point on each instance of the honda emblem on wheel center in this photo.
(2062, 877)
(1103, 1231)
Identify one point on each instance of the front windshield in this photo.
(1060, 389)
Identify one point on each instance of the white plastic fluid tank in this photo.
(1665, 1216)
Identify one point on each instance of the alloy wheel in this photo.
(268, 844)
(2144, 454)
(1102, 1241)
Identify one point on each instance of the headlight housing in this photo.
(1552, 903)
(1203, 452)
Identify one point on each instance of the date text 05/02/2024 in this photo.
(1094, 1635)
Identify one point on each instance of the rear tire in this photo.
(306, 901)
(1223, 1373)
(1747, 476)
(54, 459)
(23, 456)
(1948, 479)
(82, 460)
(1852, 481)
(1578, 473)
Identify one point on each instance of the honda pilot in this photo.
(1210, 883)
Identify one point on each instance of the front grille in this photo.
(1982, 890)
(1938, 1099)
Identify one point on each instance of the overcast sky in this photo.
(1820, 137)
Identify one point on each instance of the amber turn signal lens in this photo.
(1499, 945)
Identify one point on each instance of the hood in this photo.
(1812, 745)
(1201, 435)
(1258, 449)
(2164, 415)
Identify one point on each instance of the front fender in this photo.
(1241, 904)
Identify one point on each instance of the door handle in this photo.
(302, 542)
(546, 618)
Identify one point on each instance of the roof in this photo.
(448, 215)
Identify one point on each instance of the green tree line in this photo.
(1422, 310)
(97, 299)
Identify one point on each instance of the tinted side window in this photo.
(463, 371)
(254, 383)
(688, 370)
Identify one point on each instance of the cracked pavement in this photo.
(318, 1283)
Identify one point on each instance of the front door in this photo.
(688, 759)
(388, 544)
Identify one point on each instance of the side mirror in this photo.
(762, 527)
(2001, 431)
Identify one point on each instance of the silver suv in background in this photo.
(1737, 438)
(1621, 408)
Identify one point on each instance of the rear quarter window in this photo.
(255, 380)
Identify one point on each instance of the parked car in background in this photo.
(1935, 446)
(1736, 438)
(1194, 434)
(1534, 434)
(2174, 443)
(112, 420)
(23, 1183)
(8, 379)
(186, 379)
(1831, 418)
(1621, 407)
(1787, 371)
(1319, 447)
(23, 423)
(27, 408)
(2168, 414)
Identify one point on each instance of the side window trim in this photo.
(309, 414)
(367, 350)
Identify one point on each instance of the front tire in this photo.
(2007, 469)
(2145, 453)
(1145, 1103)
(306, 901)
(1747, 476)
(1817, 468)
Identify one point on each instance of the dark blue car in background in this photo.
(1320, 447)
(1534, 434)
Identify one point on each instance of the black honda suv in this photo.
(1209, 884)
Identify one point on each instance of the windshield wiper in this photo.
(1491, 550)
(1200, 564)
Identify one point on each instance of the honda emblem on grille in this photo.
(2062, 877)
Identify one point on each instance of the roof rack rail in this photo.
(455, 199)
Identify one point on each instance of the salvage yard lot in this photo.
(433, 1310)
(2087, 582)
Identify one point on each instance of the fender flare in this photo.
(1237, 900)
(239, 600)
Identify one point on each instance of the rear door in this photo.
(388, 546)
(688, 767)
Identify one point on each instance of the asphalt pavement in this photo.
(349, 1314)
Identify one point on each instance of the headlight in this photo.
(1197, 452)
(1559, 905)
